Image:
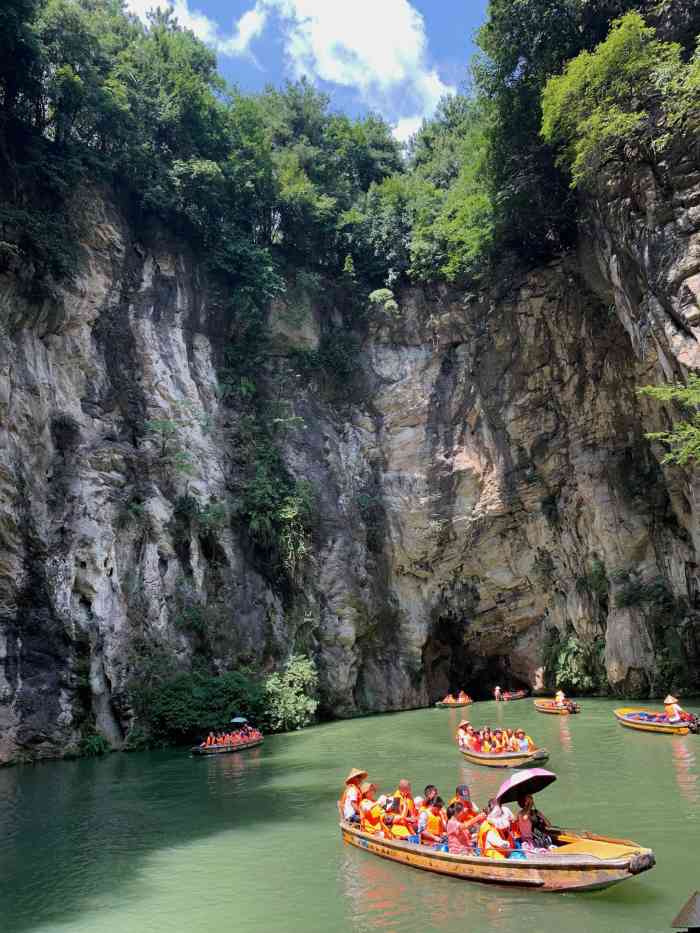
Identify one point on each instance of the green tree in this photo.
(683, 441)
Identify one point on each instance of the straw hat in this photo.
(498, 818)
(670, 699)
(464, 722)
(367, 786)
(354, 775)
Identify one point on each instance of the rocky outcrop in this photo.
(486, 489)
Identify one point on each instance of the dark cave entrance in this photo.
(450, 665)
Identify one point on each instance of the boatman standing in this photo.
(674, 713)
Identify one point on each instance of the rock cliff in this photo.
(484, 497)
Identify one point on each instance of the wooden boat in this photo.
(507, 759)
(518, 695)
(442, 705)
(625, 716)
(225, 749)
(549, 706)
(581, 862)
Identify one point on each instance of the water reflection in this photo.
(684, 765)
(565, 735)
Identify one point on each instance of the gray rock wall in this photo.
(494, 456)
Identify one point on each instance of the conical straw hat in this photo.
(670, 699)
(355, 773)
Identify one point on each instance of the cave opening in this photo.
(451, 664)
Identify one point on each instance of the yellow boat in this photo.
(581, 861)
(507, 759)
(454, 705)
(545, 705)
(626, 717)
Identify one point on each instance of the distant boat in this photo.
(225, 749)
(507, 759)
(646, 720)
(516, 695)
(550, 706)
(442, 705)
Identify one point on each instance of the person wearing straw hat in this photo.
(674, 713)
(349, 803)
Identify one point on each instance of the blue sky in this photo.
(397, 57)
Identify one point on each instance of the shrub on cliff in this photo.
(632, 88)
(289, 695)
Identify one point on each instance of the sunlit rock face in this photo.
(491, 455)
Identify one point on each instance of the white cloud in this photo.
(249, 27)
(377, 47)
(406, 127)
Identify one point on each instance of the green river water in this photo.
(163, 843)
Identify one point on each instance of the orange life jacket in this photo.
(371, 821)
(408, 807)
(484, 829)
(436, 824)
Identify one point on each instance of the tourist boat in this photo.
(517, 695)
(238, 722)
(506, 759)
(582, 861)
(550, 706)
(224, 749)
(454, 705)
(631, 717)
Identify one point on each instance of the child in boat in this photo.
(448, 699)
(462, 697)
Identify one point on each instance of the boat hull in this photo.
(663, 728)
(544, 873)
(224, 749)
(548, 706)
(514, 696)
(507, 759)
(453, 705)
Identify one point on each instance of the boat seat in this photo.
(605, 850)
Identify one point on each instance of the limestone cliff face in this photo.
(471, 497)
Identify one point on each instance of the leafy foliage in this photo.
(575, 664)
(181, 707)
(683, 442)
(632, 87)
(289, 695)
(93, 745)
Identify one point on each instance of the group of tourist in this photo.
(459, 826)
(494, 741)
(240, 736)
(461, 697)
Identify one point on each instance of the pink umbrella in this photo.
(527, 781)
